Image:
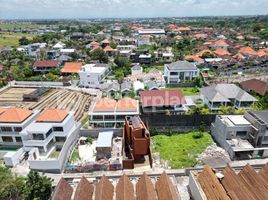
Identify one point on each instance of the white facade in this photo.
(41, 139)
(9, 132)
(180, 74)
(90, 75)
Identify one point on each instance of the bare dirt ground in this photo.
(238, 78)
(56, 98)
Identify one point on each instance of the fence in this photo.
(177, 121)
(95, 132)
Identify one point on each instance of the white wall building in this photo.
(93, 74)
(51, 131)
(12, 121)
(180, 71)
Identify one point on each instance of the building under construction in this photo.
(136, 143)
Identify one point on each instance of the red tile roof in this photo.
(46, 63)
(220, 43)
(71, 67)
(14, 115)
(195, 58)
(222, 52)
(84, 190)
(106, 41)
(52, 115)
(108, 49)
(161, 98)
(248, 51)
(255, 85)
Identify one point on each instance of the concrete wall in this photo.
(13, 158)
(195, 188)
(95, 132)
(39, 83)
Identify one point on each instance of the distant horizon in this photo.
(127, 9)
(125, 18)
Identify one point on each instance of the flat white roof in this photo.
(92, 69)
(38, 127)
(105, 139)
(238, 120)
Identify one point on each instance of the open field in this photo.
(12, 39)
(19, 25)
(181, 150)
(187, 91)
(55, 98)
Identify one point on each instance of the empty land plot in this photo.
(15, 94)
(68, 100)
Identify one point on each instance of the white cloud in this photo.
(128, 8)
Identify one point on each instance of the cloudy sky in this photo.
(25, 9)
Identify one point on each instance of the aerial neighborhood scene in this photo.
(146, 100)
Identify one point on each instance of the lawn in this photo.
(147, 69)
(75, 156)
(12, 39)
(187, 91)
(55, 154)
(180, 150)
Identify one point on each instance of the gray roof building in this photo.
(181, 65)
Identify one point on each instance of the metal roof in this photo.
(105, 139)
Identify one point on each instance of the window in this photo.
(173, 73)
(18, 139)
(7, 139)
(59, 129)
(17, 129)
(49, 132)
(38, 137)
(241, 133)
(6, 129)
(60, 139)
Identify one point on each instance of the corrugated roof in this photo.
(63, 191)
(84, 190)
(105, 139)
(124, 189)
(145, 188)
(104, 189)
(165, 189)
(211, 185)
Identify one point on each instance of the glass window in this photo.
(17, 129)
(6, 129)
(59, 129)
(7, 139)
(18, 139)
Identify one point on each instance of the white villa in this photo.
(49, 138)
(93, 74)
(180, 71)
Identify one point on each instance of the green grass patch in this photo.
(75, 156)
(12, 39)
(55, 154)
(147, 69)
(181, 150)
(187, 91)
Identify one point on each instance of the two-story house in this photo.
(92, 74)
(226, 95)
(242, 136)
(49, 139)
(180, 71)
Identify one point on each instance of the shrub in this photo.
(198, 135)
(89, 140)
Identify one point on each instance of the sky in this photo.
(52, 9)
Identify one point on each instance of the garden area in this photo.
(187, 91)
(181, 150)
